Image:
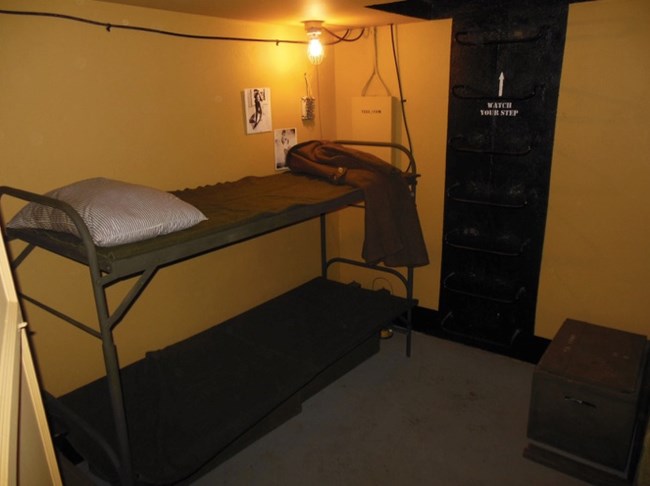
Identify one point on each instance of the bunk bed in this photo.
(179, 411)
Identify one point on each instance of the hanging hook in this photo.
(375, 69)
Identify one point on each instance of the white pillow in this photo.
(115, 212)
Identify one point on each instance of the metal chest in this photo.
(586, 392)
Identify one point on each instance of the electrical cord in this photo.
(344, 37)
(401, 93)
(109, 27)
(319, 111)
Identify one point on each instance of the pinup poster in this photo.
(257, 102)
(284, 139)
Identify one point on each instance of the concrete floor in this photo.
(450, 415)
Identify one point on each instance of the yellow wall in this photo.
(596, 262)
(77, 101)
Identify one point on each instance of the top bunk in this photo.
(234, 211)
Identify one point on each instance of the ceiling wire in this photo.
(109, 27)
(399, 84)
(344, 37)
(319, 111)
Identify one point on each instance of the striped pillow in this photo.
(115, 212)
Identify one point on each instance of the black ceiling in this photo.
(440, 9)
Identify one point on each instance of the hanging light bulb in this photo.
(315, 51)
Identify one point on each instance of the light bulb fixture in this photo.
(315, 51)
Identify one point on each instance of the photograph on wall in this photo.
(284, 139)
(257, 103)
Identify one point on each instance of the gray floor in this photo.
(450, 415)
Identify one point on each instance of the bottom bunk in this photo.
(193, 404)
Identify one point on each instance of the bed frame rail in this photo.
(107, 320)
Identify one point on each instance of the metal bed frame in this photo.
(144, 267)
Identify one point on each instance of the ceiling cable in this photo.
(399, 84)
(344, 37)
(109, 27)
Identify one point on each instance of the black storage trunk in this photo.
(586, 392)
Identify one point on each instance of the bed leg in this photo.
(114, 381)
(409, 314)
(323, 246)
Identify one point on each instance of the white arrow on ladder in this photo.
(501, 78)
